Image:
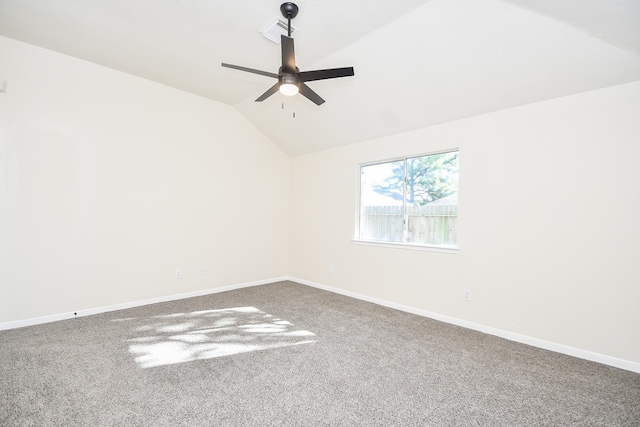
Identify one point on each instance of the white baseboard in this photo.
(123, 306)
(535, 342)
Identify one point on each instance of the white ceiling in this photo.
(417, 62)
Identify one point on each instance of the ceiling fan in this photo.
(290, 79)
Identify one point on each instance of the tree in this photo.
(428, 178)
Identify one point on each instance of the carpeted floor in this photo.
(289, 355)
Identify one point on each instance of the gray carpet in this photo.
(289, 355)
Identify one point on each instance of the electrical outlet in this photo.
(466, 295)
(178, 274)
(205, 271)
(332, 269)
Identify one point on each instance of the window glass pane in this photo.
(381, 211)
(413, 200)
(432, 199)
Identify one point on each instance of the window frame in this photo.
(454, 249)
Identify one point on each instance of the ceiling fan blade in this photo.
(333, 73)
(288, 54)
(273, 89)
(250, 70)
(307, 92)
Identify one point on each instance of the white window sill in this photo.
(410, 246)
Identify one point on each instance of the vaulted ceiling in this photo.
(417, 62)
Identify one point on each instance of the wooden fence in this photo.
(429, 224)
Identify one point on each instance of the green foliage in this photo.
(429, 178)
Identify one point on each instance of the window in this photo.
(411, 201)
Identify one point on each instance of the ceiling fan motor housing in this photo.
(291, 79)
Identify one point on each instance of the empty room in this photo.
(319, 213)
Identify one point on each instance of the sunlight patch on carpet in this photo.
(185, 337)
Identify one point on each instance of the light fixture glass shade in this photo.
(288, 89)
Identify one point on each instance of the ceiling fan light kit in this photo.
(289, 86)
(290, 79)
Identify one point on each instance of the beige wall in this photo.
(548, 228)
(108, 183)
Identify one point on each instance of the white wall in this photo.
(549, 223)
(108, 183)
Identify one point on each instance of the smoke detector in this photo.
(275, 29)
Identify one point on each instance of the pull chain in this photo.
(293, 114)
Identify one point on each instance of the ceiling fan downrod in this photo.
(289, 10)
